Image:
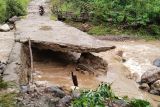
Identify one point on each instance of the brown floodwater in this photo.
(61, 76)
(55, 68)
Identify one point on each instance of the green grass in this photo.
(3, 85)
(101, 30)
(53, 17)
(8, 100)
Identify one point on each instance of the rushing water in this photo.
(139, 57)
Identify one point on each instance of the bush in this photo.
(95, 98)
(139, 103)
(9, 8)
(2, 11)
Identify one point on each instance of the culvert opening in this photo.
(56, 67)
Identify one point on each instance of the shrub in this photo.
(139, 103)
(95, 98)
(9, 8)
(2, 11)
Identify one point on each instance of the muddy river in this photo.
(55, 68)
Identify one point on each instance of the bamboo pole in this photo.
(31, 60)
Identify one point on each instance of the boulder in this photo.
(120, 103)
(76, 93)
(144, 86)
(2, 67)
(65, 101)
(156, 85)
(14, 19)
(155, 92)
(92, 64)
(151, 76)
(156, 62)
(5, 28)
(56, 91)
(24, 88)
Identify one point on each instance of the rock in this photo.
(65, 101)
(24, 88)
(120, 103)
(156, 62)
(155, 92)
(5, 28)
(156, 85)
(151, 76)
(57, 91)
(144, 87)
(76, 94)
(93, 64)
(85, 27)
(135, 76)
(33, 88)
(53, 102)
(11, 26)
(14, 19)
(120, 53)
(2, 67)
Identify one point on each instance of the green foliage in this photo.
(127, 14)
(98, 30)
(9, 8)
(102, 94)
(3, 85)
(95, 98)
(14, 8)
(8, 100)
(139, 103)
(2, 11)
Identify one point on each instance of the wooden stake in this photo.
(31, 60)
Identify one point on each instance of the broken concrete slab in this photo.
(57, 36)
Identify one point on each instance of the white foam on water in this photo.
(139, 57)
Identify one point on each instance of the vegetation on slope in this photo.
(9, 8)
(141, 17)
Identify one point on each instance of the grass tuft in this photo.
(8, 100)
